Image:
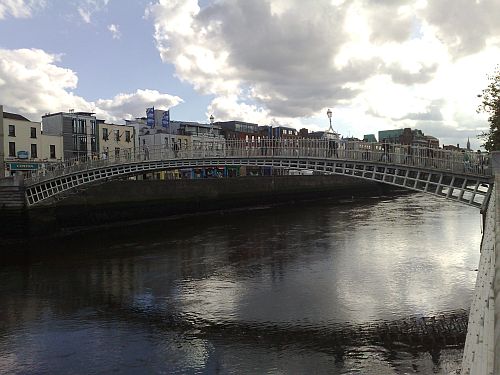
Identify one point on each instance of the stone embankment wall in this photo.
(13, 216)
(123, 200)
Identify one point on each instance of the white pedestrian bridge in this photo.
(461, 176)
(466, 177)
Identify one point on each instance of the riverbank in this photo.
(122, 202)
(125, 200)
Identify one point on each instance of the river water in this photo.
(297, 289)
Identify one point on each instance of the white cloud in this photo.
(226, 108)
(88, 7)
(19, 8)
(115, 31)
(85, 14)
(390, 63)
(128, 106)
(32, 84)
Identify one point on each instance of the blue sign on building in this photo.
(22, 155)
(165, 120)
(150, 117)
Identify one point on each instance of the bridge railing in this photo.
(470, 163)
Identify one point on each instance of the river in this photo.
(304, 288)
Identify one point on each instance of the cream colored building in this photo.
(21, 144)
(25, 148)
(52, 148)
(115, 141)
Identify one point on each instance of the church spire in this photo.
(468, 144)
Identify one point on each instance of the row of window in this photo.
(125, 153)
(12, 131)
(33, 150)
(245, 128)
(80, 143)
(118, 136)
(79, 126)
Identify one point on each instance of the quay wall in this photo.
(479, 344)
(482, 344)
(13, 214)
(124, 200)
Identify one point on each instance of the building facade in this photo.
(115, 140)
(26, 148)
(238, 130)
(408, 136)
(78, 131)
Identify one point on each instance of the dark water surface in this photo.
(302, 289)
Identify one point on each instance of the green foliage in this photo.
(491, 105)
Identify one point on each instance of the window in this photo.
(105, 134)
(117, 152)
(82, 143)
(33, 132)
(127, 136)
(33, 151)
(74, 126)
(92, 127)
(12, 149)
(12, 130)
(52, 151)
(82, 126)
(117, 135)
(93, 144)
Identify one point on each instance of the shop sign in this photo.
(23, 166)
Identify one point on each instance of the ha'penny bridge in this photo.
(465, 177)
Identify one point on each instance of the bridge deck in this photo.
(453, 175)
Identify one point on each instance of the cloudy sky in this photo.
(378, 64)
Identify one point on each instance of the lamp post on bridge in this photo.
(329, 114)
(212, 124)
(330, 133)
(331, 136)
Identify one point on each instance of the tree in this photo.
(491, 105)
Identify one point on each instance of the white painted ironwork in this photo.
(460, 176)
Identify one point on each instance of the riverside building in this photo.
(78, 131)
(24, 148)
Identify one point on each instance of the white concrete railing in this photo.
(468, 163)
(482, 346)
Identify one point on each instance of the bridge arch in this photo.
(466, 188)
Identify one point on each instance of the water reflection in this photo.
(305, 288)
